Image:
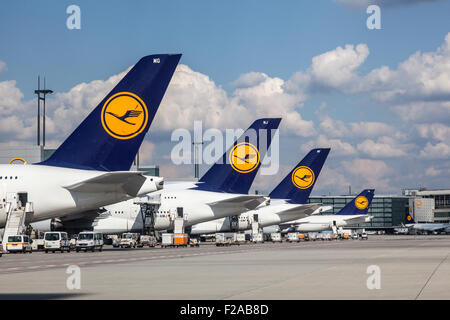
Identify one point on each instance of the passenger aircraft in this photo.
(222, 191)
(90, 168)
(426, 227)
(287, 200)
(355, 212)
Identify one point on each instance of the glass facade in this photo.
(387, 211)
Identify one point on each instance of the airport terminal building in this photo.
(388, 211)
(430, 205)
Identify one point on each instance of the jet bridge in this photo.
(17, 215)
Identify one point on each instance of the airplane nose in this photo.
(159, 183)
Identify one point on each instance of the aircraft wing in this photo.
(127, 182)
(246, 202)
(90, 215)
(300, 211)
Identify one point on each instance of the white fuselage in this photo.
(268, 215)
(45, 188)
(195, 203)
(317, 223)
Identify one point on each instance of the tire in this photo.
(46, 251)
(77, 249)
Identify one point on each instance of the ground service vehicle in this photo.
(56, 241)
(146, 240)
(19, 243)
(194, 242)
(129, 240)
(89, 240)
(226, 239)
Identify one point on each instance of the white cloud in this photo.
(10, 98)
(432, 172)
(194, 96)
(440, 150)
(332, 70)
(370, 173)
(333, 128)
(384, 147)
(338, 147)
(3, 66)
(436, 131)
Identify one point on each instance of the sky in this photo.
(379, 98)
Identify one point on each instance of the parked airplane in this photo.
(430, 227)
(90, 168)
(222, 191)
(355, 212)
(287, 200)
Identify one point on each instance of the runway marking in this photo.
(431, 276)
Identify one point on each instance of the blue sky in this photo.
(225, 40)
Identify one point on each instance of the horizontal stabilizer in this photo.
(300, 211)
(127, 182)
(246, 202)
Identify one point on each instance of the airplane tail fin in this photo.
(360, 204)
(109, 138)
(235, 171)
(409, 218)
(298, 184)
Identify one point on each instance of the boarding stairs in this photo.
(16, 218)
(149, 206)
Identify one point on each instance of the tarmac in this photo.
(382, 267)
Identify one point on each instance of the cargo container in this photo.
(166, 240)
(240, 238)
(258, 238)
(275, 237)
(180, 239)
(293, 237)
(312, 236)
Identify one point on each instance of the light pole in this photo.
(39, 92)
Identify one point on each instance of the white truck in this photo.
(19, 243)
(129, 240)
(146, 240)
(56, 241)
(89, 240)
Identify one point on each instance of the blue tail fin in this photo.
(235, 171)
(109, 138)
(360, 204)
(409, 218)
(298, 184)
